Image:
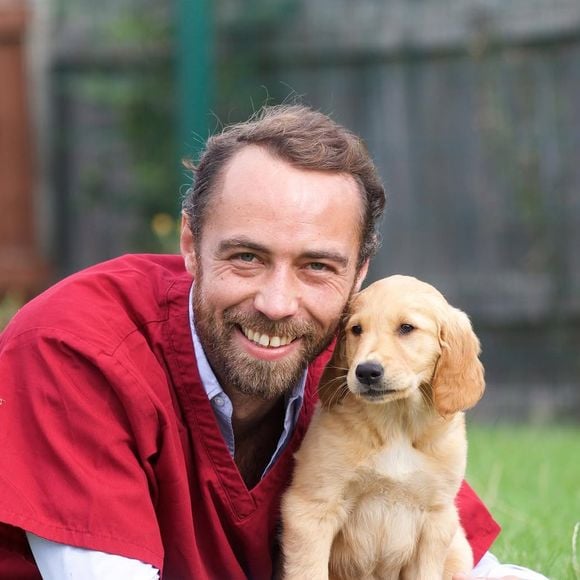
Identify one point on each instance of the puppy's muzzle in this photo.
(369, 373)
(370, 381)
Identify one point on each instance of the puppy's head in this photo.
(401, 335)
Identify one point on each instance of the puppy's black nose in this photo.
(369, 373)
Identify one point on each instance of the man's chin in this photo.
(240, 370)
(264, 379)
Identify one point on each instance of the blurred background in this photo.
(471, 109)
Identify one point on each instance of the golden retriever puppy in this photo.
(377, 474)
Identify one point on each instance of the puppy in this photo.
(379, 468)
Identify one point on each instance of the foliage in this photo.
(529, 477)
(9, 304)
(246, 32)
(124, 79)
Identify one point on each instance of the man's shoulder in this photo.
(126, 270)
(106, 301)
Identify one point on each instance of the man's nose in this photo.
(278, 297)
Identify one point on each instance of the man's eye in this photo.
(246, 257)
(318, 266)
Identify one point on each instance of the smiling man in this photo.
(273, 269)
(150, 410)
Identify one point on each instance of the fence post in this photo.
(21, 269)
(194, 74)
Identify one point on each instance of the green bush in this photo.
(9, 304)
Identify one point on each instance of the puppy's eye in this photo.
(356, 329)
(406, 328)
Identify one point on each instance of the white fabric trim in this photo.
(490, 567)
(61, 562)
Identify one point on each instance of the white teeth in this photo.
(265, 340)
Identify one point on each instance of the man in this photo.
(150, 411)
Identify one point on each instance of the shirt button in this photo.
(219, 401)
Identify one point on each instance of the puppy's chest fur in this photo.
(390, 488)
(392, 469)
(402, 464)
(393, 489)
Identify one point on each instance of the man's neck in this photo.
(257, 425)
(248, 411)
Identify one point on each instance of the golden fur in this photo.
(376, 476)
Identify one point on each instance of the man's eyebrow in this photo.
(335, 257)
(241, 243)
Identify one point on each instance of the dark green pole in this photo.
(194, 74)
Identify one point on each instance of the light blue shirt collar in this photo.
(222, 405)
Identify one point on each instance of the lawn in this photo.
(529, 477)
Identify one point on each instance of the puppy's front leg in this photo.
(309, 528)
(432, 547)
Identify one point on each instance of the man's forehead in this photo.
(256, 166)
(272, 202)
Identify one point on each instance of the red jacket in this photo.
(109, 441)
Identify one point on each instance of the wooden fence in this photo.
(472, 112)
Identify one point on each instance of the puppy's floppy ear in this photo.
(458, 382)
(332, 387)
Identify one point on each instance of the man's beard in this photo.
(236, 369)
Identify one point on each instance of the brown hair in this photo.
(306, 139)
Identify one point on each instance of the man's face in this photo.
(274, 268)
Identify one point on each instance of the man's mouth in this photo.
(264, 339)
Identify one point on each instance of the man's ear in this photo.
(187, 245)
(361, 275)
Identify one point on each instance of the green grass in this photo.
(529, 477)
